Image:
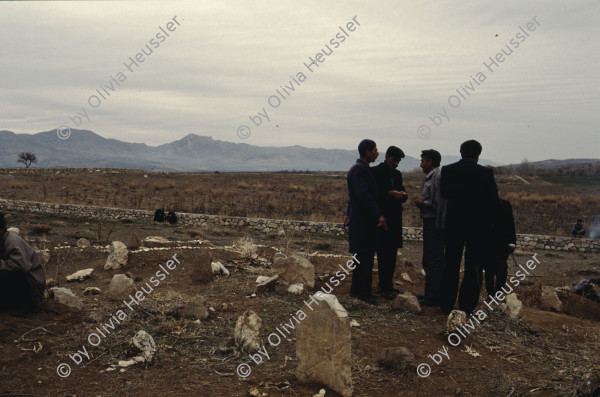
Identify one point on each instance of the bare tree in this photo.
(27, 158)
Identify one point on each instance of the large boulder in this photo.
(201, 266)
(323, 345)
(117, 257)
(295, 270)
(66, 299)
(408, 302)
(120, 286)
(549, 300)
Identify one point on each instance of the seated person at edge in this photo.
(22, 276)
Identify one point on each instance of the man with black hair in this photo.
(363, 218)
(390, 196)
(22, 276)
(472, 204)
(433, 212)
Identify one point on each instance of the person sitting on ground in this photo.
(22, 276)
(159, 215)
(578, 230)
(171, 217)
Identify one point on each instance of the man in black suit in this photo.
(363, 217)
(390, 196)
(472, 204)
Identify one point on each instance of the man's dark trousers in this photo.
(362, 275)
(477, 250)
(433, 260)
(387, 252)
(14, 291)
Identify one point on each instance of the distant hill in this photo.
(191, 153)
(551, 163)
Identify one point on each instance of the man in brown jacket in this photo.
(22, 277)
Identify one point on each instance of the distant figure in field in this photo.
(578, 230)
(22, 276)
(433, 211)
(472, 203)
(159, 215)
(364, 218)
(171, 217)
(390, 196)
(505, 242)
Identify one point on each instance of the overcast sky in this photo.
(394, 78)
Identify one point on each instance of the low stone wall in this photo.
(532, 241)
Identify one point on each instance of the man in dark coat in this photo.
(22, 277)
(472, 203)
(505, 242)
(159, 215)
(390, 196)
(363, 217)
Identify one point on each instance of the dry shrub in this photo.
(196, 233)
(246, 247)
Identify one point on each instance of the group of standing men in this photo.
(461, 211)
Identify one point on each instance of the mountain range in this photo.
(191, 153)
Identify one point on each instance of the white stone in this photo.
(145, 343)
(406, 277)
(218, 268)
(513, 306)
(296, 289)
(457, 318)
(246, 334)
(261, 279)
(117, 257)
(80, 275)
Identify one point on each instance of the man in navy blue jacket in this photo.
(472, 204)
(363, 217)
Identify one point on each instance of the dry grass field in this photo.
(547, 205)
(541, 354)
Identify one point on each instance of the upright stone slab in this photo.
(323, 345)
(201, 264)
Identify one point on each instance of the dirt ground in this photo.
(542, 354)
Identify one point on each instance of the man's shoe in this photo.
(369, 299)
(425, 302)
(390, 295)
(19, 310)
